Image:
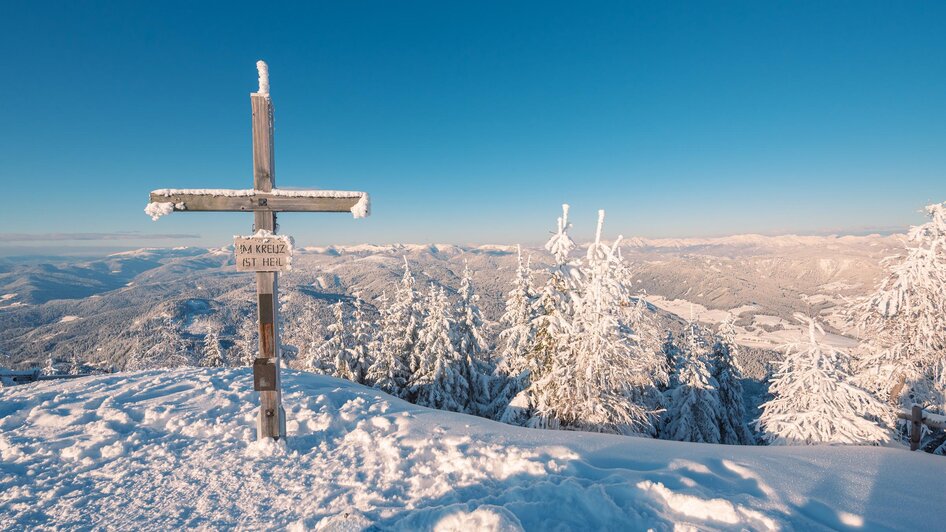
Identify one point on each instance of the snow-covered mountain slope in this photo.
(165, 450)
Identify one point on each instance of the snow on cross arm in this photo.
(156, 209)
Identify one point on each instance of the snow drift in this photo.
(173, 449)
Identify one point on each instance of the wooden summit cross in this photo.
(264, 252)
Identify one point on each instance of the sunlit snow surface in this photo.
(172, 449)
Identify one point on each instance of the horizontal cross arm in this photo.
(256, 200)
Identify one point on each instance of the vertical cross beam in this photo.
(272, 418)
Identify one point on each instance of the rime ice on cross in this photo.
(264, 201)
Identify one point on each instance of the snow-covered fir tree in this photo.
(693, 404)
(439, 380)
(553, 312)
(304, 326)
(388, 371)
(410, 313)
(647, 334)
(50, 367)
(247, 342)
(671, 353)
(400, 320)
(588, 385)
(362, 338)
(814, 401)
(318, 357)
(733, 429)
(326, 351)
(212, 354)
(312, 359)
(903, 356)
(336, 347)
(516, 339)
(518, 321)
(649, 368)
(75, 365)
(471, 346)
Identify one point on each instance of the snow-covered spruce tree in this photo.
(733, 429)
(671, 353)
(518, 321)
(314, 358)
(388, 370)
(693, 405)
(327, 354)
(653, 361)
(362, 338)
(439, 381)
(553, 310)
(555, 305)
(211, 354)
(471, 346)
(589, 385)
(814, 401)
(336, 347)
(400, 320)
(247, 342)
(651, 373)
(646, 365)
(903, 324)
(410, 315)
(50, 367)
(303, 326)
(516, 339)
(75, 365)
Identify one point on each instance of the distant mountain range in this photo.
(100, 309)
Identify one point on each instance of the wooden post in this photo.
(264, 201)
(916, 427)
(272, 418)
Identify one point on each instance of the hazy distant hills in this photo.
(102, 309)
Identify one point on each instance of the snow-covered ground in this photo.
(172, 449)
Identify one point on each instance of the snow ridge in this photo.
(169, 449)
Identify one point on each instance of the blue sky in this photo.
(471, 122)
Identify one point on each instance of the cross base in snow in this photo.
(264, 201)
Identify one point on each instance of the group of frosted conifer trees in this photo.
(584, 352)
(821, 394)
(581, 350)
(426, 347)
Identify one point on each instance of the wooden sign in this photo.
(262, 253)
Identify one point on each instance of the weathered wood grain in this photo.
(272, 418)
(270, 203)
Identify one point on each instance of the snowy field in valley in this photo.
(768, 332)
(171, 449)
